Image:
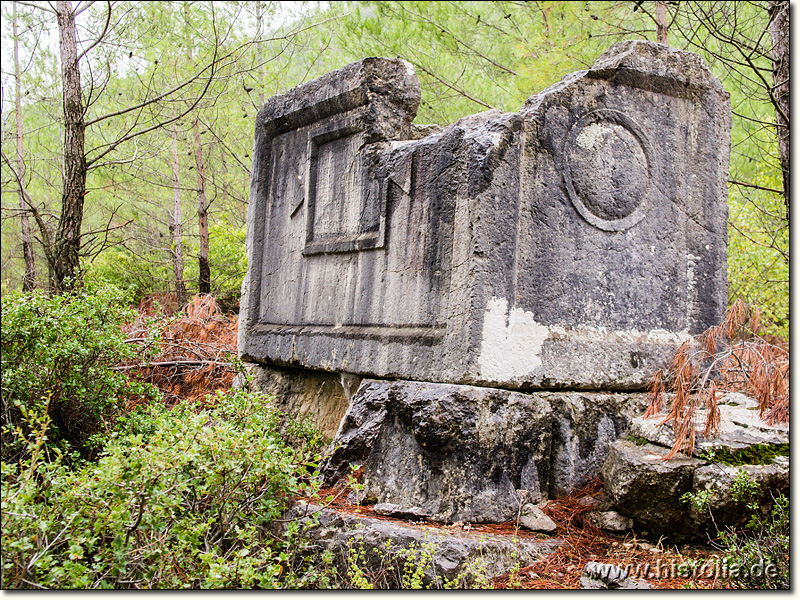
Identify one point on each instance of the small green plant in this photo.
(699, 500)
(353, 478)
(357, 556)
(743, 487)
(514, 582)
(416, 560)
(759, 557)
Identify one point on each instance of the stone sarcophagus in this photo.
(571, 245)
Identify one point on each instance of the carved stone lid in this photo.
(389, 82)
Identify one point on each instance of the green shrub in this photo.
(148, 271)
(187, 504)
(59, 352)
(759, 558)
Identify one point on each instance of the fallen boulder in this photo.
(611, 520)
(746, 463)
(647, 488)
(532, 517)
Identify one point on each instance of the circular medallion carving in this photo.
(607, 170)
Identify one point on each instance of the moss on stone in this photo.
(758, 454)
(639, 441)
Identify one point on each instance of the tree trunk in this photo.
(175, 222)
(29, 280)
(779, 32)
(661, 23)
(68, 234)
(204, 269)
(204, 280)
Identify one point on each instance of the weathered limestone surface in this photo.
(724, 509)
(303, 393)
(534, 518)
(584, 425)
(459, 453)
(386, 544)
(739, 427)
(644, 487)
(467, 453)
(572, 244)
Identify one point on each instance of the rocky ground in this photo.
(575, 543)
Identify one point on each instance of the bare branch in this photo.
(105, 28)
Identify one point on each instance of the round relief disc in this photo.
(607, 170)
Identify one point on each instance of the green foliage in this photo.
(757, 454)
(758, 253)
(141, 274)
(187, 504)
(759, 559)
(58, 355)
(227, 259)
(699, 500)
(409, 568)
(146, 272)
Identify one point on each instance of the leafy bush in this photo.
(759, 558)
(57, 357)
(180, 499)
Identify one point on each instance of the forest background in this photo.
(127, 127)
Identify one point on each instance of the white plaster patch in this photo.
(591, 136)
(511, 342)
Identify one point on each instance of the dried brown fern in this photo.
(732, 356)
(192, 357)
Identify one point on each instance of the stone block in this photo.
(584, 426)
(572, 244)
(458, 453)
(389, 546)
(740, 427)
(724, 508)
(534, 518)
(648, 489)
